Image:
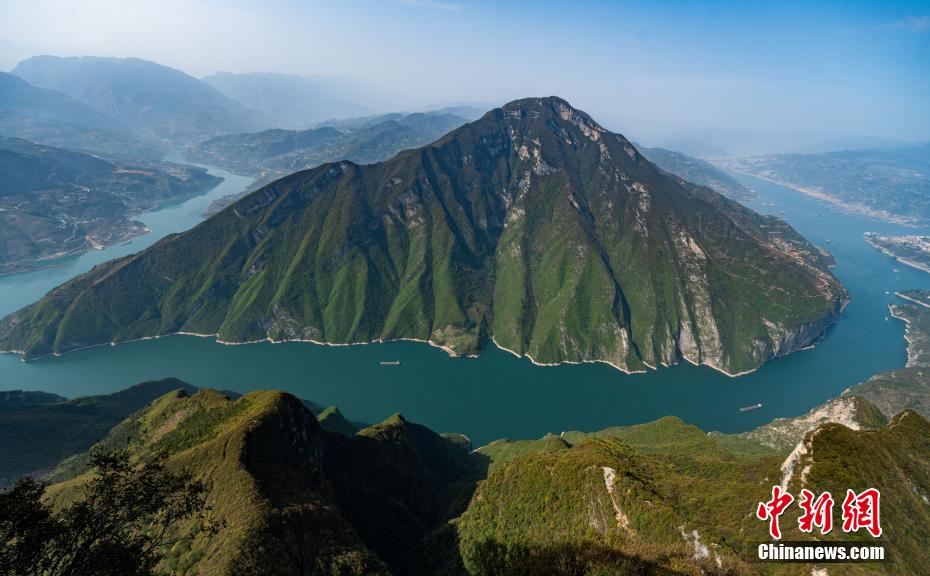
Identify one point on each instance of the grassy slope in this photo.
(282, 484)
(36, 433)
(398, 498)
(531, 225)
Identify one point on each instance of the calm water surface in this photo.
(498, 395)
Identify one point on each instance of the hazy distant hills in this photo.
(698, 171)
(20, 97)
(288, 100)
(532, 225)
(152, 100)
(270, 154)
(891, 183)
(39, 430)
(55, 119)
(55, 202)
(363, 141)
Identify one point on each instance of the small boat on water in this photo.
(753, 407)
(126, 243)
(390, 363)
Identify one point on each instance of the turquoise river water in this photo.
(498, 395)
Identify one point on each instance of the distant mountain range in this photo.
(55, 202)
(271, 154)
(363, 141)
(20, 97)
(289, 100)
(533, 226)
(130, 112)
(54, 119)
(149, 99)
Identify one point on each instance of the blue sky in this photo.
(653, 70)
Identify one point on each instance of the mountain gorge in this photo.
(300, 490)
(532, 226)
(272, 154)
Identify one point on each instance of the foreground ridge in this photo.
(398, 498)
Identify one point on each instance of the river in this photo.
(499, 395)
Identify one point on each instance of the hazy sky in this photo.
(649, 69)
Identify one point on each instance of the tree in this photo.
(126, 515)
(307, 538)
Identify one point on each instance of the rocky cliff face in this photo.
(533, 226)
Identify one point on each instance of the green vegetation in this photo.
(271, 154)
(55, 202)
(854, 411)
(39, 430)
(292, 497)
(396, 498)
(332, 420)
(532, 225)
(121, 523)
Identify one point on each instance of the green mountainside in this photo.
(282, 152)
(39, 430)
(271, 154)
(532, 226)
(332, 420)
(397, 498)
(294, 498)
(55, 202)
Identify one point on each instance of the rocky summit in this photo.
(532, 226)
